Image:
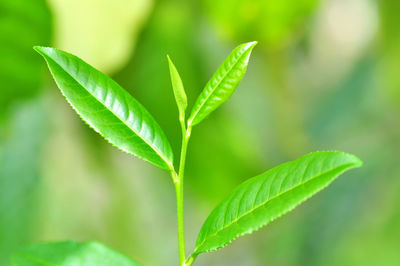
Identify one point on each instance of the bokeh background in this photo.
(325, 75)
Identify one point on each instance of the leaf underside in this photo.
(108, 108)
(70, 253)
(263, 198)
(223, 83)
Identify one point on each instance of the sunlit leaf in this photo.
(222, 85)
(179, 90)
(108, 108)
(263, 198)
(70, 253)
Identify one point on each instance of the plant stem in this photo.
(190, 260)
(181, 227)
(178, 182)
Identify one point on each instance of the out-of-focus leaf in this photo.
(390, 48)
(22, 24)
(222, 85)
(179, 90)
(108, 108)
(70, 253)
(21, 141)
(338, 110)
(104, 27)
(266, 197)
(271, 22)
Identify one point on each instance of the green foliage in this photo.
(272, 22)
(70, 253)
(124, 122)
(263, 198)
(179, 90)
(22, 23)
(108, 108)
(20, 153)
(222, 85)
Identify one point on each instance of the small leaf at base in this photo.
(70, 253)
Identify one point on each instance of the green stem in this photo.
(178, 182)
(190, 260)
(181, 227)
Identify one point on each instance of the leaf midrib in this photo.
(123, 122)
(219, 83)
(274, 197)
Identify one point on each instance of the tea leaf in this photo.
(179, 90)
(108, 108)
(222, 85)
(263, 198)
(70, 253)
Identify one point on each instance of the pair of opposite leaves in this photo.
(125, 123)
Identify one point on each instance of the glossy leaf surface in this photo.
(108, 108)
(263, 198)
(222, 85)
(179, 90)
(70, 253)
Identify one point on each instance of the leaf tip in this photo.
(357, 161)
(250, 45)
(42, 50)
(352, 159)
(38, 49)
(171, 64)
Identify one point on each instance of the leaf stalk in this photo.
(178, 182)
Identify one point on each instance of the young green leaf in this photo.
(264, 198)
(108, 108)
(222, 85)
(179, 90)
(70, 253)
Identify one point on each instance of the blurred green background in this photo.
(325, 75)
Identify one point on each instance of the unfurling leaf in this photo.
(222, 85)
(70, 253)
(108, 108)
(264, 198)
(179, 90)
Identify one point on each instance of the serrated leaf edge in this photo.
(356, 164)
(168, 163)
(192, 117)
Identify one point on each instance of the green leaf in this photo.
(263, 198)
(70, 253)
(222, 85)
(179, 90)
(108, 108)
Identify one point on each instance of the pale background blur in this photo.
(325, 75)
